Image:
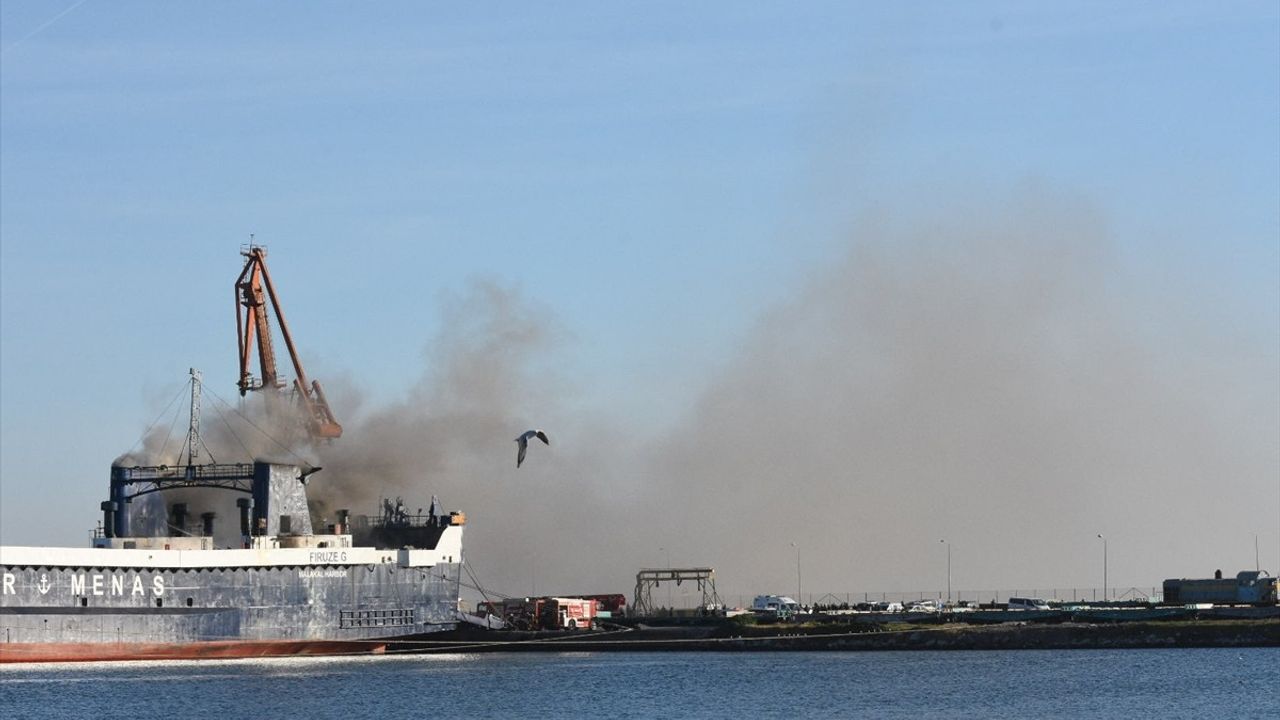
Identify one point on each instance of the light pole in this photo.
(944, 542)
(1104, 567)
(668, 552)
(798, 594)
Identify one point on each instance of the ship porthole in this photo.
(190, 602)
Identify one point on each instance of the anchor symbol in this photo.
(43, 587)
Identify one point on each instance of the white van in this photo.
(779, 605)
(1028, 604)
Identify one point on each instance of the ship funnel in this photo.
(179, 526)
(109, 509)
(245, 504)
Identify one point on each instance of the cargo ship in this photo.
(166, 576)
(282, 589)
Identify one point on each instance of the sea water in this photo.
(1165, 684)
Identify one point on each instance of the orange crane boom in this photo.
(252, 322)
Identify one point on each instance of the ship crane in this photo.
(252, 322)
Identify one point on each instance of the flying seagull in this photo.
(524, 443)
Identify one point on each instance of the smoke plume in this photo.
(985, 375)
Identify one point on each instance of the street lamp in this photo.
(944, 542)
(798, 593)
(1104, 567)
(668, 552)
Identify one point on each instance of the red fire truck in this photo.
(545, 613)
(568, 613)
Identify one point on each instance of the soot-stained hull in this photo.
(216, 650)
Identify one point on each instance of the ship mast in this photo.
(193, 425)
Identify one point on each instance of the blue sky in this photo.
(654, 178)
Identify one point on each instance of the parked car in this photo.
(1018, 603)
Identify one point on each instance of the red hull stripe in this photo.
(88, 652)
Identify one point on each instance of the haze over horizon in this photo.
(828, 285)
